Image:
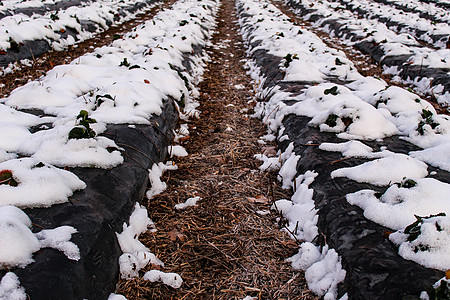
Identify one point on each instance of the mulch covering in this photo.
(97, 212)
(222, 248)
(376, 52)
(35, 48)
(374, 268)
(44, 59)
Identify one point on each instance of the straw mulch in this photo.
(223, 248)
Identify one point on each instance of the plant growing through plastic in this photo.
(6, 177)
(427, 118)
(414, 230)
(83, 130)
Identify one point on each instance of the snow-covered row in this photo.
(428, 31)
(337, 99)
(127, 82)
(8, 7)
(62, 28)
(434, 10)
(400, 54)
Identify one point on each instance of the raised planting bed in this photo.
(346, 151)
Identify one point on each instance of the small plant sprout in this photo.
(442, 290)
(99, 99)
(338, 62)
(288, 59)
(331, 120)
(413, 230)
(427, 119)
(333, 91)
(124, 63)
(407, 183)
(54, 16)
(83, 130)
(6, 177)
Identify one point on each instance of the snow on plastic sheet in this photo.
(396, 207)
(300, 211)
(323, 270)
(21, 27)
(53, 146)
(384, 171)
(135, 255)
(355, 119)
(177, 150)
(38, 184)
(10, 288)
(171, 279)
(139, 222)
(348, 149)
(59, 239)
(432, 245)
(18, 243)
(437, 156)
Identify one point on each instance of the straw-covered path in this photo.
(224, 248)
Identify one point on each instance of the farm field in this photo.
(220, 149)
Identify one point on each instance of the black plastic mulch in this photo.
(375, 50)
(374, 268)
(34, 48)
(97, 212)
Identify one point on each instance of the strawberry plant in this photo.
(288, 59)
(427, 119)
(83, 131)
(413, 230)
(333, 91)
(6, 177)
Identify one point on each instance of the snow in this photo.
(398, 205)
(384, 171)
(432, 246)
(177, 150)
(300, 211)
(171, 279)
(436, 156)
(39, 185)
(10, 288)
(18, 243)
(135, 255)
(116, 297)
(348, 149)
(323, 269)
(154, 175)
(59, 239)
(139, 223)
(188, 203)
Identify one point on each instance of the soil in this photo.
(222, 248)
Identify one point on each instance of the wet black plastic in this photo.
(98, 212)
(34, 48)
(374, 268)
